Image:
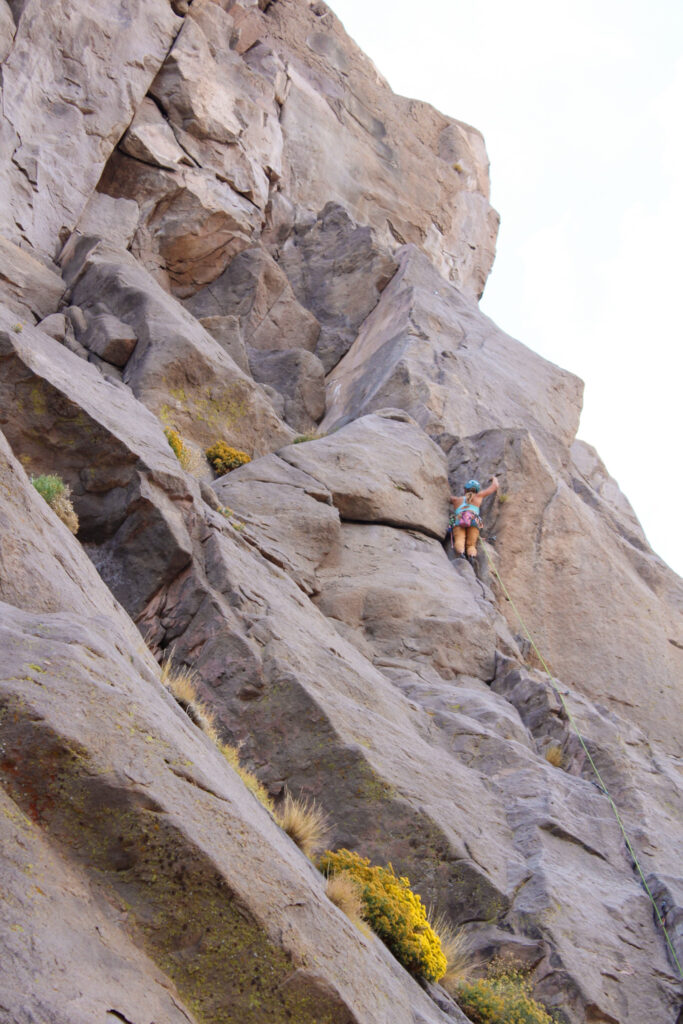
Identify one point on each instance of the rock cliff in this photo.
(218, 223)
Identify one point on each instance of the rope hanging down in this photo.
(576, 729)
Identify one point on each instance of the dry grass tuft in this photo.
(345, 893)
(456, 948)
(305, 823)
(253, 784)
(181, 682)
(554, 756)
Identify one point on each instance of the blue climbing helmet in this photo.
(472, 485)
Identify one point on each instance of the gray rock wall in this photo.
(217, 220)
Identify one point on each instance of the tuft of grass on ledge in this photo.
(304, 822)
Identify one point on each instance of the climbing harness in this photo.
(601, 785)
(467, 515)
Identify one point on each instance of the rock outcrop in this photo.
(219, 224)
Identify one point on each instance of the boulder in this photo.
(427, 349)
(288, 515)
(254, 288)
(299, 377)
(109, 338)
(71, 83)
(56, 325)
(27, 287)
(150, 138)
(177, 369)
(382, 469)
(227, 332)
(337, 271)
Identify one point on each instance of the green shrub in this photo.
(223, 458)
(58, 496)
(394, 912)
(504, 997)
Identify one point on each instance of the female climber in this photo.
(465, 522)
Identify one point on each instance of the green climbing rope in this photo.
(593, 765)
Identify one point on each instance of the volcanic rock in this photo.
(288, 515)
(424, 342)
(299, 377)
(68, 95)
(254, 288)
(177, 369)
(381, 469)
(27, 286)
(337, 272)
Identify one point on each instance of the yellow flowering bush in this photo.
(178, 445)
(393, 911)
(223, 458)
(502, 998)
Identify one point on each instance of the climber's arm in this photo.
(491, 489)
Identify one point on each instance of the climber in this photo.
(465, 522)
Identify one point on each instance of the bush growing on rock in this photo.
(394, 912)
(554, 756)
(456, 948)
(305, 823)
(504, 997)
(223, 458)
(302, 438)
(345, 892)
(58, 496)
(179, 447)
(250, 780)
(181, 683)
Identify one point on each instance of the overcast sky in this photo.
(581, 106)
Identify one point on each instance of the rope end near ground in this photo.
(601, 784)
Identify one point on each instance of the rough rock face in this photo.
(337, 271)
(176, 368)
(106, 857)
(70, 83)
(217, 219)
(380, 469)
(427, 349)
(628, 657)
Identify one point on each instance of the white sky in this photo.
(581, 106)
